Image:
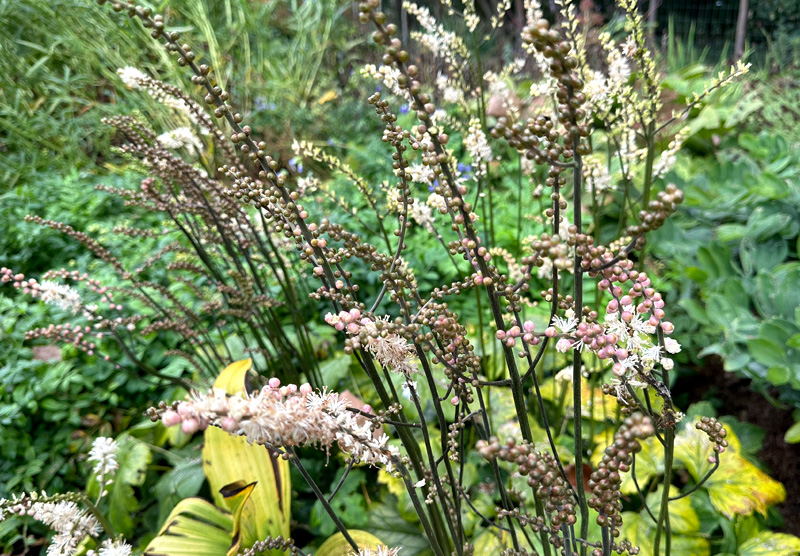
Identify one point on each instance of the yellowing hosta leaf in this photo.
(193, 528)
(337, 545)
(738, 487)
(640, 530)
(230, 459)
(767, 543)
(682, 517)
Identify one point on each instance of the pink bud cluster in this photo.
(525, 334)
(650, 303)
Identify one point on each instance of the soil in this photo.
(711, 381)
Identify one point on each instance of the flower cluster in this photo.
(68, 521)
(284, 416)
(104, 457)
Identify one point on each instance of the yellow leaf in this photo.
(738, 487)
(337, 545)
(639, 529)
(767, 543)
(229, 459)
(236, 496)
(193, 528)
(327, 97)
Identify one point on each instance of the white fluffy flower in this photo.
(116, 548)
(70, 523)
(131, 77)
(60, 295)
(104, 456)
(178, 138)
(671, 346)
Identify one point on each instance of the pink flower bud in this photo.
(190, 426)
(626, 300)
(511, 342)
(618, 370)
(274, 382)
(501, 335)
(306, 388)
(229, 424)
(622, 354)
(185, 410)
(626, 316)
(454, 400)
(170, 418)
(529, 326)
(550, 332)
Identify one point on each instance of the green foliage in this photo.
(733, 258)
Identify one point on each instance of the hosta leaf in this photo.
(768, 543)
(738, 487)
(337, 545)
(193, 528)
(229, 459)
(639, 529)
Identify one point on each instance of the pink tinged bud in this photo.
(617, 291)
(454, 400)
(90, 352)
(305, 389)
(229, 424)
(170, 418)
(185, 410)
(659, 313)
(603, 285)
(367, 408)
(274, 382)
(618, 370)
(339, 284)
(622, 354)
(479, 280)
(462, 189)
(667, 327)
(501, 335)
(658, 304)
(190, 426)
(529, 326)
(511, 342)
(563, 345)
(318, 271)
(626, 316)
(322, 242)
(203, 424)
(355, 314)
(352, 328)
(528, 338)
(487, 257)
(514, 332)
(550, 332)
(653, 321)
(612, 307)
(626, 300)
(339, 326)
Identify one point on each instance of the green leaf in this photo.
(793, 434)
(768, 543)
(133, 457)
(767, 352)
(639, 529)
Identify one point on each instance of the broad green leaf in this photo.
(491, 542)
(133, 457)
(737, 487)
(337, 545)
(682, 517)
(767, 352)
(193, 528)
(768, 543)
(228, 459)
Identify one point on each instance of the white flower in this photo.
(420, 173)
(671, 346)
(60, 295)
(70, 523)
(565, 325)
(652, 353)
(116, 548)
(419, 484)
(104, 456)
(131, 77)
(422, 215)
(178, 138)
(379, 551)
(667, 363)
